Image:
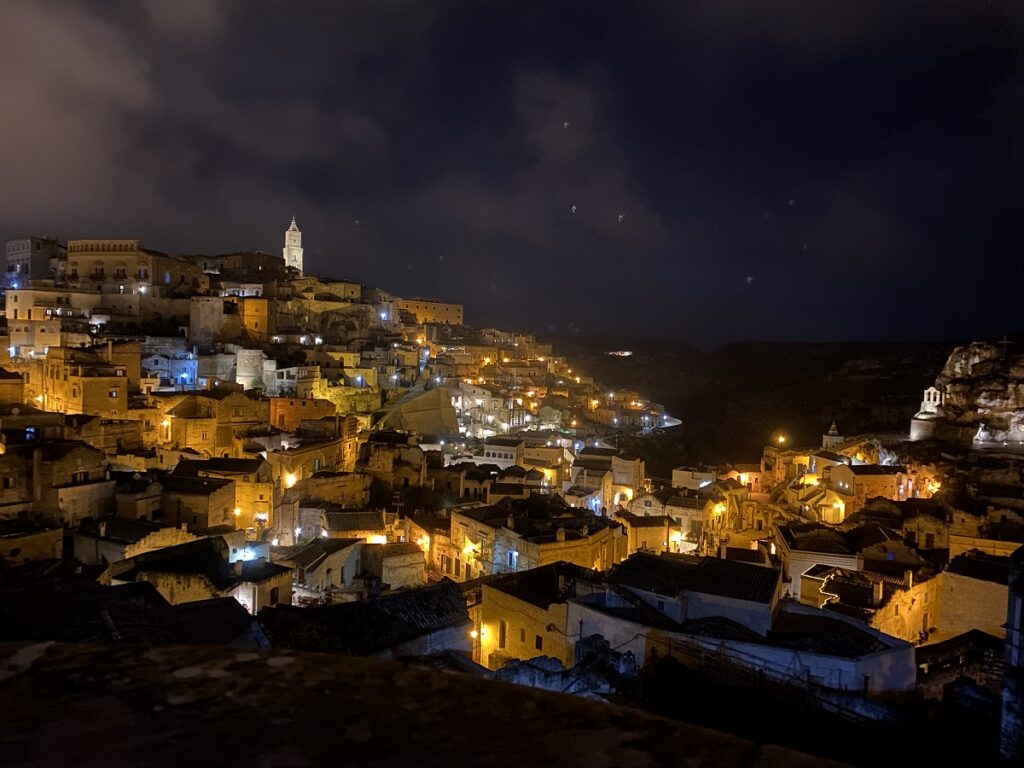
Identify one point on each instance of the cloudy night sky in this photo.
(710, 171)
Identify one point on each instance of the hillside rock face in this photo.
(982, 391)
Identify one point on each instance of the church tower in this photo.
(292, 251)
(832, 437)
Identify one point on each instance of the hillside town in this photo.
(223, 449)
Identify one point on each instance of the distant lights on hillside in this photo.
(621, 353)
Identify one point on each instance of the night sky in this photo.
(739, 170)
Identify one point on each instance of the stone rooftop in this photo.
(198, 705)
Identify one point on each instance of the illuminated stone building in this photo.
(292, 251)
(56, 482)
(254, 487)
(200, 570)
(125, 267)
(32, 258)
(525, 615)
(288, 413)
(12, 387)
(431, 311)
(80, 381)
(197, 503)
(210, 422)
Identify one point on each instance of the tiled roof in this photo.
(369, 626)
(191, 468)
(194, 486)
(203, 557)
(812, 537)
(822, 634)
(976, 564)
(553, 583)
(317, 550)
(121, 529)
(128, 613)
(354, 520)
(708, 575)
(645, 521)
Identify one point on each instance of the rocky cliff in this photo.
(983, 395)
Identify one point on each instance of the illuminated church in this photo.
(292, 250)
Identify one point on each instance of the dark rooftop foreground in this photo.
(179, 706)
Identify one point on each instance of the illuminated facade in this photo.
(431, 311)
(292, 251)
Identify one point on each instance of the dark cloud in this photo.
(461, 134)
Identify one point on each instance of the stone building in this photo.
(82, 381)
(200, 570)
(253, 482)
(24, 542)
(288, 413)
(197, 503)
(56, 482)
(431, 311)
(108, 539)
(1012, 725)
(525, 615)
(292, 251)
(33, 258)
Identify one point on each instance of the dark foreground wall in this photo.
(187, 706)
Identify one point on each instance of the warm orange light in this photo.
(290, 479)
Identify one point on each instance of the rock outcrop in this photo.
(981, 390)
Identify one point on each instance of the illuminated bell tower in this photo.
(292, 251)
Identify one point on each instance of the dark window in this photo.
(538, 643)
(502, 632)
(275, 595)
(522, 635)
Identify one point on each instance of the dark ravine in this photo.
(738, 397)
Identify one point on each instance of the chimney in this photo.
(236, 567)
(560, 534)
(110, 350)
(103, 530)
(184, 526)
(510, 523)
(877, 592)
(908, 578)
